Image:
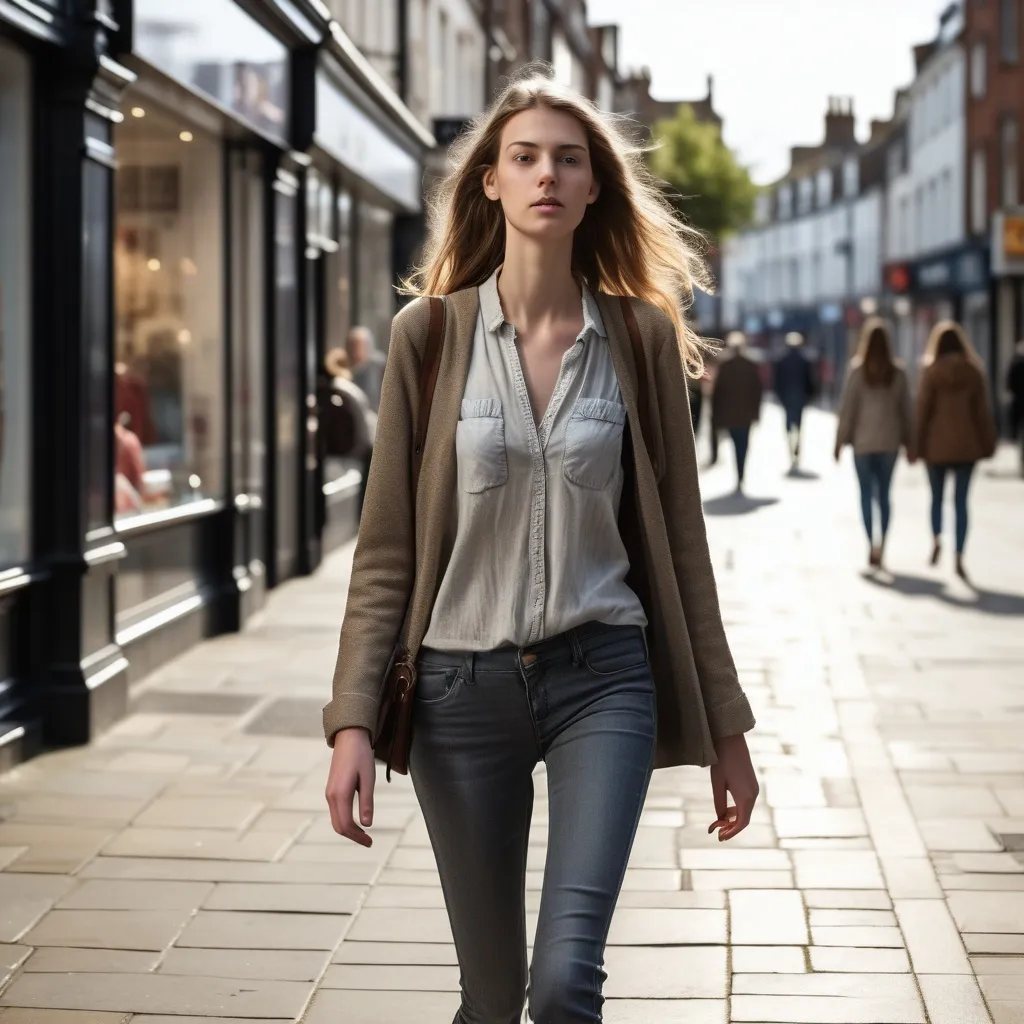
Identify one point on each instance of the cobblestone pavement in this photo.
(184, 867)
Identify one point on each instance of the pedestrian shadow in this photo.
(991, 602)
(796, 473)
(736, 505)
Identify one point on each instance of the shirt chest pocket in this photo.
(480, 445)
(593, 442)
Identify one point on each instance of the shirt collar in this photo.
(494, 315)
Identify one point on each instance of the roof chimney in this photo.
(711, 88)
(840, 123)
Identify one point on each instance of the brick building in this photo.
(993, 40)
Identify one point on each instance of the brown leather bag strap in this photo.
(640, 358)
(429, 369)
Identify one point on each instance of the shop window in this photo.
(376, 305)
(1009, 138)
(979, 70)
(15, 300)
(1009, 30)
(169, 302)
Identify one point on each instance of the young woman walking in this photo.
(955, 425)
(553, 558)
(876, 417)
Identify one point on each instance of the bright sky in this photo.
(775, 62)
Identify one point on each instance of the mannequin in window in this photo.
(129, 468)
(131, 394)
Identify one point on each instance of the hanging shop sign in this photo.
(1008, 243)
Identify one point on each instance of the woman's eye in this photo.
(571, 160)
(521, 157)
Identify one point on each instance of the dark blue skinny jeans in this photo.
(962, 472)
(583, 702)
(874, 472)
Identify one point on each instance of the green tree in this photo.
(708, 186)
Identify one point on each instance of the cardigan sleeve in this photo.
(725, 704)
(848, 409)
(383, 567)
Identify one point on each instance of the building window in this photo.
(15, 305)
(979, 69)
(1009, 30)
(851, 177)
(785, 202)
(1009, 145)
(169, 306)
(979, 192)
(376, 300)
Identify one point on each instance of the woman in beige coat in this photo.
(550, 572)
(955, 425)
(876, 418)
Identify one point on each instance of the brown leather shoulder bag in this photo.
(394, 719)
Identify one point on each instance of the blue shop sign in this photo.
(954, 273)
(214, 47)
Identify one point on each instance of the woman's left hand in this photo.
(733, 774)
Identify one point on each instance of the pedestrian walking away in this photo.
(1015, 388)
(547, 572)
(736, 402)
(955, 425)
(876, 418)
(795, 385)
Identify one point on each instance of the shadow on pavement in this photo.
(735, 505)
(992, 602)
(801, 474)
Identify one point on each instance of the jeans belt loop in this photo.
(577, 648)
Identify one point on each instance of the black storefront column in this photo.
(79, 671)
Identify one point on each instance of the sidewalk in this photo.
(184, 865)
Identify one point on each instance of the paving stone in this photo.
(212, 844)
(869, 961)
(197, 812)
(852, 918)
(330, 1006)
(59, 960)
(958, 835)
(847, 899)
(212, 929)
(1003, 987)
(633, 927)
(999, 863)
(156, 993)
(160, 868)
(26, 1015)
(392, 978)
(426, 953)
(931, 937)
(288, 898)
(959, 801)
(11, 958)
(791, 823)
(867, 938)
(897, 988)
(983, 942)
(767, 1009)
(847, 870)
(99, 894)
(271, 964)
(44, 808)
(953, 999)
(768, 960)
(988, 912)
(639, 972)
(741, 879)
(988, 965)
(24, 899)
(108, 929)
(767, 918)
(666, 1011)
(726, 859)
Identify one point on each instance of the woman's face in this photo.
(543, 177)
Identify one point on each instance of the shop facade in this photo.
(188, 235)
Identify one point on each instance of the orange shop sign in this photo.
(1013, 236)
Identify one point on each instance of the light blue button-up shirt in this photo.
(537, 547)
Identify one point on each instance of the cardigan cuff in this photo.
(348, 711)
(731, 718)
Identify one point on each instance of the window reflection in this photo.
(168, 371)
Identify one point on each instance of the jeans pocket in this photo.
(612, 658)
(435, 685)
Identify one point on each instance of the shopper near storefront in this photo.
(367, 363)
(876, 418)
(736, 403)
(1015, 387)
(553, 559)
(795, 385)
(955, 426)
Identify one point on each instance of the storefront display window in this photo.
(15, 349)
(169, 301)
(376, 305)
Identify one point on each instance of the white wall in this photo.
(446, 60)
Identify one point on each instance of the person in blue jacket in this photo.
(795, 384)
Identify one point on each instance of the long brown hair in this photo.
(947, 338)
(874, 353)
(630, 241)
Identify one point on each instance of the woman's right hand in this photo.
(352, 771)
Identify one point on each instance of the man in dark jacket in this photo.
(736, 402)
(795, 385)
(1015, 386)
